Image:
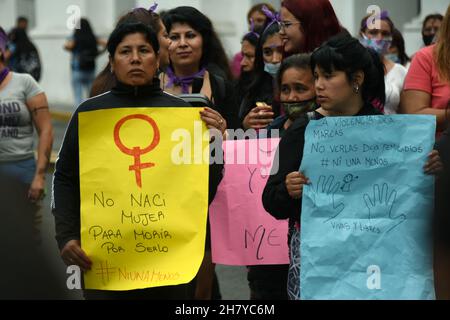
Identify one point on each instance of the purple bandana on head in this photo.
(152, 9)
(3, 40)
(274, 17)
(184, 82)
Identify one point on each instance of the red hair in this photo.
(318, 21)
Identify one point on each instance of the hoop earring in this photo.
(356, 88)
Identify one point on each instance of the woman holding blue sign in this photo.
(348, 77)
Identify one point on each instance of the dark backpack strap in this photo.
(220, 94)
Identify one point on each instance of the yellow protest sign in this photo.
(143, 211)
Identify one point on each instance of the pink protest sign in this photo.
(242, 232)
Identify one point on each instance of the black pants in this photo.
(268, 282)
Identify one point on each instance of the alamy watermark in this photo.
(374, 21)
(374, 277)
(73, 21)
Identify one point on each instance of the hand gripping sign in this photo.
(143, 225)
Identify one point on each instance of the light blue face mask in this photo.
(272, 69)
(393, 57)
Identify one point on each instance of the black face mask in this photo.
(428, 40)
(295, 110)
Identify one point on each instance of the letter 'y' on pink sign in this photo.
(242, 232)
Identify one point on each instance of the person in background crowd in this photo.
(349, 86)
(24, 56)
(199, 65)
(258, 108)
(105, 81)
(397, 53)
(306, 24)
(427, 88)
(24, 108)
(22, 23)
(380, 40)
(427, 91)
(131, 46)
(198, 62)
(348, 77)
(248, 50)
(430, 29)
(295, 83)
(258, 16)
(84, 48)
(256, 20)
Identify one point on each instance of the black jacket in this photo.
(276, 199)
(264, 92)
(225, 98)
(66, 182)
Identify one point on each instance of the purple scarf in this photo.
(184, 82)
(152, 9)
(3, 74)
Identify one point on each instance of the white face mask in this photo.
(272, 69)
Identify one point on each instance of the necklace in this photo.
(3, 74)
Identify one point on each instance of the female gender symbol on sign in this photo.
(137, 152)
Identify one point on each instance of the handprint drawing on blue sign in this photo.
(381, 204)
(329, 187)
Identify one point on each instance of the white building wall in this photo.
(8, 14)
(412, 31)
(228, 16)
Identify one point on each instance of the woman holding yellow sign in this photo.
(134, 51)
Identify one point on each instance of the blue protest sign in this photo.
(366, 216)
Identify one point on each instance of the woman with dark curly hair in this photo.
(198, 63)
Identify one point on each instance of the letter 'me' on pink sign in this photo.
(242, 232)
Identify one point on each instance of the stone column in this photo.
(8, 14)
(52, 31)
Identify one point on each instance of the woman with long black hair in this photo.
(198, 63)
(247, 65)
(83, 46)
(259, 108)
(24, 54)
(348, 77)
